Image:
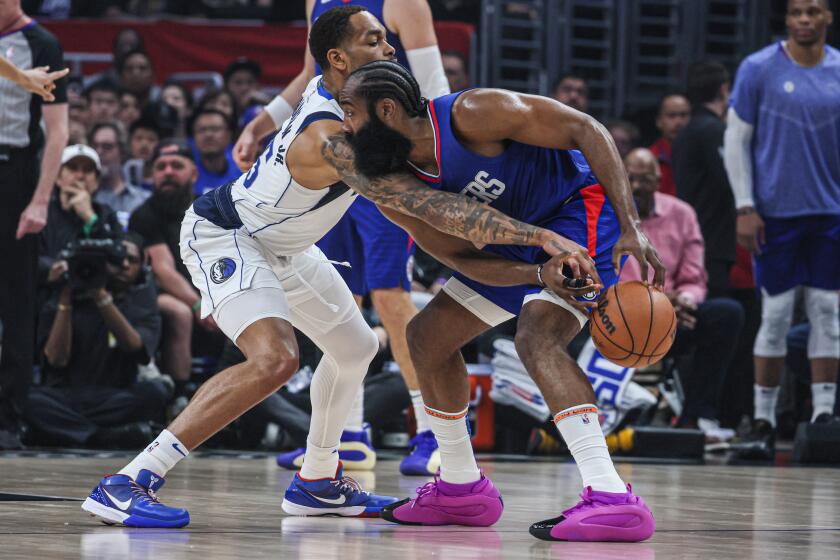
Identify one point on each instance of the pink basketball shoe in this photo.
(600, 516)
(477, 504)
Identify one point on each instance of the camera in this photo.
(88, 260)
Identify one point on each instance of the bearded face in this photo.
(379, 149)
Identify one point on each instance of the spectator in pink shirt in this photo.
(707, 329)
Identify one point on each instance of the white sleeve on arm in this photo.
(737, 158)
(427, 67)
(279, 110)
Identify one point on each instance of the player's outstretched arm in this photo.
(449, 213)
(541, 121)
(487, 268)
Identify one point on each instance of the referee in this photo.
(26, 183)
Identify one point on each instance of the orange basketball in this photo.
(633, 325)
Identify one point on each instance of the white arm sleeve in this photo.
(427, 66)
(737, 158)
(279, 110)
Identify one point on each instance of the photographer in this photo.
(95, 332)
(73, 214)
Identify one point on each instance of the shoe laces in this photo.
(428, 489)
(146, 495)
(348, 485)
(587, 502)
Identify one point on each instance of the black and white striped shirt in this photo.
(20, 111)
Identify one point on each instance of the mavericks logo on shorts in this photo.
(222, 269)
(589, 296)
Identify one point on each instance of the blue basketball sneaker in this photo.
(355, 451)
(332, 496)
(424, 459)
(119, 499)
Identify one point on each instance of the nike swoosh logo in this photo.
(123, 505)
(330, 501)
(175, 446)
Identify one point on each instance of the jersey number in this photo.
(255, 169)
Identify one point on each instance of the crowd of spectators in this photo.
(124, 349)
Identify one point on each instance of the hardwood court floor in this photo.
(701, 511)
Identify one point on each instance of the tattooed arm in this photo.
(453, 214)
(487, 268)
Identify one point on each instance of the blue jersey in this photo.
(550, 188)
(796, 145)
(375, 8)
(525, 182)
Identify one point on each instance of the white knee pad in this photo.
(823, 313)
(776, 316)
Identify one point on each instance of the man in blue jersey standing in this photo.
(380, 253)
(517, 154)
(782, 155)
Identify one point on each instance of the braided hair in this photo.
(383, 78)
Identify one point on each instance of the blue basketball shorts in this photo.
(380, 253)
(801, 251)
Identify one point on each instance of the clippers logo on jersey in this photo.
(222, 269)
(483, 190)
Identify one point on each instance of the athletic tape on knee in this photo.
(823, 312)
(776, 316)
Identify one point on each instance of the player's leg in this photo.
(343, 246)
(608, 511)
(396, 309)
(462, 496)
(821, 306)
(250, 307)
(779, 269)
(271, 359)
(823, 350)
(388, 255)
(323, 308)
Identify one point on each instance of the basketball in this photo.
(633, 325)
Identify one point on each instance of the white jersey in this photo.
(284, 216)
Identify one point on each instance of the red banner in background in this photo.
(204, 46)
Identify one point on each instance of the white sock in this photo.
(822, 398)
(356, 420)
(582, 433)
(419, 411)
(159, 457)
(764, 399)
(457, 462)
(319, 462)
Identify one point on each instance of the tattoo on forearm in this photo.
(447, 212)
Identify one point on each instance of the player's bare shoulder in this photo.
(486, 114)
